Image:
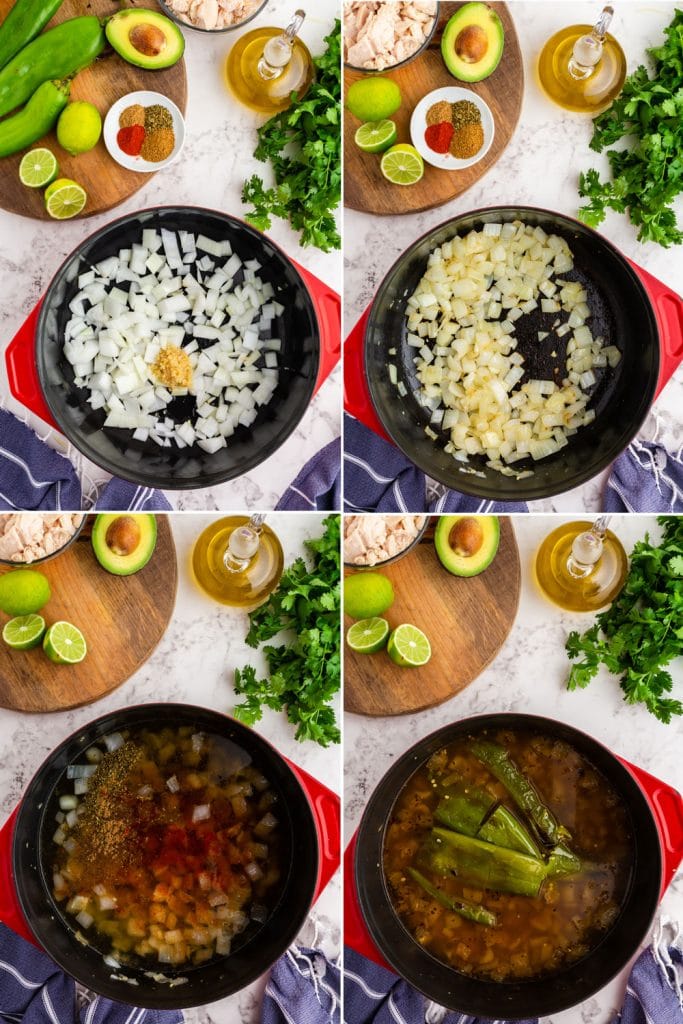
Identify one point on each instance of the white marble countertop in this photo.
(540, 167)
(217, 158)
(529, 675)
(194, 663)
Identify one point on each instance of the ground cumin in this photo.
(158, 145)
(467, 141)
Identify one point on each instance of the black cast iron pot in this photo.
(630, 309)
(254, 950)
(508, 1000)
(41, 377)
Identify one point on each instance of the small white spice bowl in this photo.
(418, 126)
(111, 129)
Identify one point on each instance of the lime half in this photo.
(38, 168)
(367, 636)
(66, 200)
(376, 136)
(24, 632)
(402, 165)
(64, 644)
(409, 646)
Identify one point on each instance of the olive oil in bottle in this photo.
(266, 65)
(582, 68)
(238, 561)
(581, 566)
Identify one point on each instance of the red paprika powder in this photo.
(438, 136)
(130, 139)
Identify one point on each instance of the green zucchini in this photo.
(57, 53)
(35, 119)
(23, 23)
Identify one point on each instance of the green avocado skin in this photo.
(473, 14)
(120, 25)
(472, 565)
(124, 565)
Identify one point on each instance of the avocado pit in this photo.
(148, 40)
(466, 537)
(471, 44)
(123, 536)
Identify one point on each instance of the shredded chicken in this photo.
(28, 536)
(381, 34)
(214, 14)
(369, 540)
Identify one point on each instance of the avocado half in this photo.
(123, 544)
(472, 42)
(466, 545)
(145, 38)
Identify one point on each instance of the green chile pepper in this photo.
(35, 119)
(58, 53)
(23, 23)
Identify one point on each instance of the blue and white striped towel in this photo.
(303, 988)
(379, 478)
(318, 485)
(34, 477)
(34, 990)
(654, 993)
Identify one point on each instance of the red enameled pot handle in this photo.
(668, 307)
(357, 399)
(10, 911)
(356, 934)
(22, 373)
(326, 810)
(328, 307)
(666, 804)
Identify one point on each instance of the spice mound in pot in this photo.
(27, 536)
(379, 35)
(372, 539)
(173, 368)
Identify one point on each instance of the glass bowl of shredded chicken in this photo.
(383, 35)
(31, 538)
(375, 541)
(212, 15)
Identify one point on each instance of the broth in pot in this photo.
(508, 855)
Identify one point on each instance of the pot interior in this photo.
(145, 462)
(254, 950)
(622, 314)
(515, 999)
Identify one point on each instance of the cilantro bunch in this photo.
(642, 631)
(303, 144)
(305, 671)
(647, 175)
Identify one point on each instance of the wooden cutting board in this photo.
(366, 189)
(110, 77)
(467, 622)
(123, 618)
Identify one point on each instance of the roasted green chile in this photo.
(23, 23)
(35, 119)
(58, 53)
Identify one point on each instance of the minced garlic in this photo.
(172, 368)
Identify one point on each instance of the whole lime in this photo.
(23, 591)
(79, 127)
(373, 99)
(367, 594)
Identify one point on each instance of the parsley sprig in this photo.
(303, 144)
(305, 671)
(642, 631)
(647, 175)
